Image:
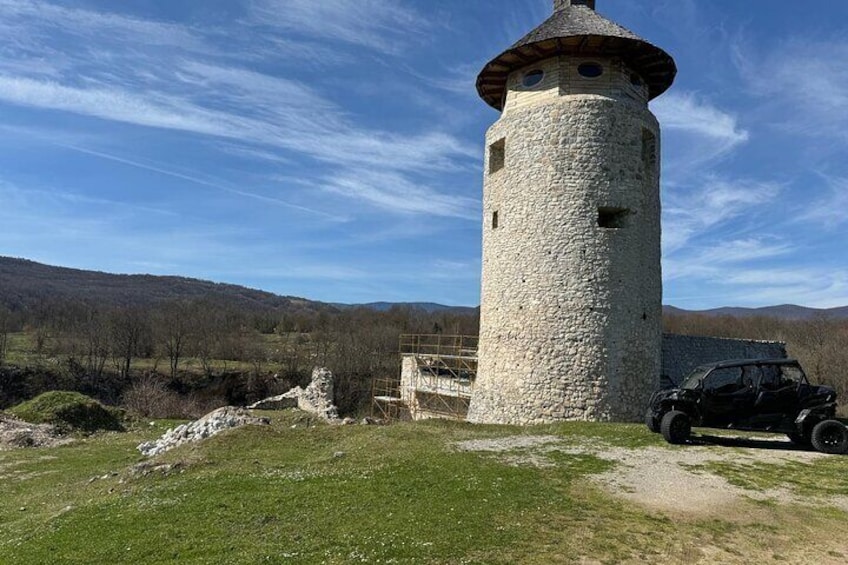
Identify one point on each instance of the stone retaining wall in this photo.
(682, 353)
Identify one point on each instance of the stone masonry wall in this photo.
(571, 311)
(682, 353)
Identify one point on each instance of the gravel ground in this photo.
(663, 478)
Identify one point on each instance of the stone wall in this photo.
(571, 290)
(682, 353)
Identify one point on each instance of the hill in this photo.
(25, 284)
(428, 307)
(782, 312)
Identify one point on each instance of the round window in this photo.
(590, 70)
(533, 78)
(635, 80)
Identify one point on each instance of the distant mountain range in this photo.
(25, 284)
(784, 312)
(429, 307)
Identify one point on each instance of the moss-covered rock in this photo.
(69, 412)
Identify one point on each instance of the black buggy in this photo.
(762, 395)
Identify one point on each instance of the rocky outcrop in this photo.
(209, 425)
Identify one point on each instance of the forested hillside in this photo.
(27, 285)
(171, 346)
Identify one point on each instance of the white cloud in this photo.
(42, 18)
(722, 260)
(803, 83)
(830, 209)
(696, 133)
(383, 25)
(111, 104)
(689, 213)
(397, 193)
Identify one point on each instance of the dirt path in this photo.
(665, 478)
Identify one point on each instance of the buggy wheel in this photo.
(676, 427)
(652, 422)
(830, 436)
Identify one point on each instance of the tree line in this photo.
(819, 343)
(231, 354)
(193, 346)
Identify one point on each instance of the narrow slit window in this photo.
(612, 218)
(495, 220)
(497, 156)
(649, 152)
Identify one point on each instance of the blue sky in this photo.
(332, 149)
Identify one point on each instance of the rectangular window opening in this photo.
(495, 221)
(497, 156)
(613, 218)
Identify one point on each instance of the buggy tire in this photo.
(652, 422)
(676, 427)
(830, 436)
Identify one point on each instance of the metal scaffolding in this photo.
(436, 379)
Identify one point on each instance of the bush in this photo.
(150, 398)
(69, 411)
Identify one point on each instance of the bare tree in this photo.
(174, 330)
(5, 328)
(130, 329)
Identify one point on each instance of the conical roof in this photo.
(576, 29)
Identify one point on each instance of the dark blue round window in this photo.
(533, 78)
(590, 70)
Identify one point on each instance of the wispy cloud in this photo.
(723, 260)
(52, 18)
(382, 25)
(696, 132)
(194, 179)
(803, 81)
(712, 202)
(829, 209)
(397, 193)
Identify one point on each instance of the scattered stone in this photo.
(15, 433)
(209, 425)
(339, 454)
(368, 421)
(349, 422)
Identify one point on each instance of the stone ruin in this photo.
(316, 398)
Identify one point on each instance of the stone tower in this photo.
(572, 291)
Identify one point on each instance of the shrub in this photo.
(150, 398)
(69, 411)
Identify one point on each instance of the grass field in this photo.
(303, 492)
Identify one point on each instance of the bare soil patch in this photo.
(15, 434)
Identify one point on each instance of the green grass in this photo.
(398, 494)
(825, 477)
(69, 412)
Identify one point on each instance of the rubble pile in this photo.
(15, 433)
(209, 425)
